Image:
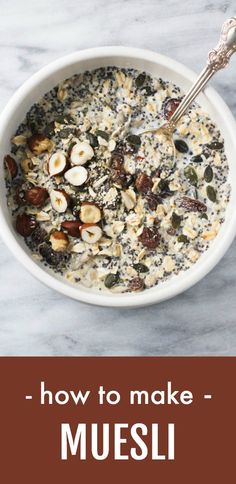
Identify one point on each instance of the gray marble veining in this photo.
(35, 320)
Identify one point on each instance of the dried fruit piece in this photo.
(59, 200)
(191, 175)
(175, 220)
(136, 284)
(11, 166)
(208, 174)
(90, 233)
(38, 236)
(20, 195)
(111, 280)
(150, 237)
(36, 196)
(211, 193)
(76, 176)
(169, 107)
(39, 143)
(153, 200)
(216, 145)
(90, 213)
(181, 146)
(59, 241)
(57, 164)
(117, 161)
(118, 173)
(58, 260)
(192, 205)
(140, 267)
(120, 149)
(143, 183)
(93, 141)
(25, 224)
(81, 153)
(72, 227)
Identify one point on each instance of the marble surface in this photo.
(34, 320)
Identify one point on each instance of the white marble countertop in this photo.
(34, 320)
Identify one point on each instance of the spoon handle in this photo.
(218, 58)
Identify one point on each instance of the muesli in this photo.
(104, 207)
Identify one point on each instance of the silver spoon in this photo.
(218, 58)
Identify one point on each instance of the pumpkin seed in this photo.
(139, 81)
(61, 119)
(73, 143)
(102, 134)
(216, 145)
(175, 220)
(204, 215)
(111, 280)
(197, 159)
(183, 238)
(163, 185)
(208, 174)
(133, 140)
(93, 141)
(140, 267)
(211, 193)
(191, 175)
(181, 146)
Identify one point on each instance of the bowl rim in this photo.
(101, 298)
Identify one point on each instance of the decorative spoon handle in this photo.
(218, 58)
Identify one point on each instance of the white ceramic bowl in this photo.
(159, 66)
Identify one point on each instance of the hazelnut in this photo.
(76, 176)
(36, 196)
(59, 241)
(72, 227)
(81, 153)
(90, 233)
(26, 165)
(39, 143)
(11, 166)
(57, 164)
(59, 200)
(25, 224)
(90, 213)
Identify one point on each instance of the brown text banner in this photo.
(118, 419)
